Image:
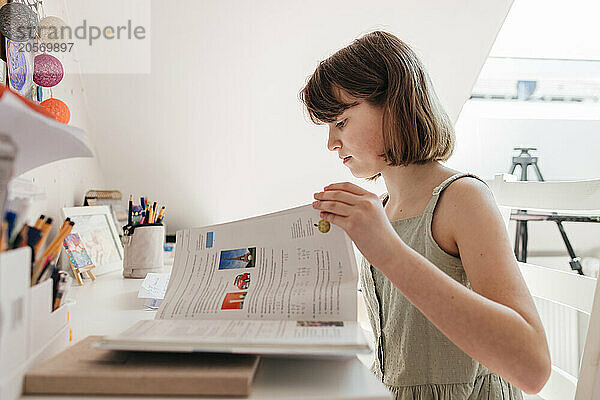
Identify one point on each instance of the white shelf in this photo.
(39, 139)
(30, 332)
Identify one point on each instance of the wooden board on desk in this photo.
(82, 369)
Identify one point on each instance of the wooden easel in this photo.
(81, 270)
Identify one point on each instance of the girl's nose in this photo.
(333, 143)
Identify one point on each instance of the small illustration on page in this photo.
(238, 258)
(234, 301)
(323, 226)
(242, 281)
(319, 323)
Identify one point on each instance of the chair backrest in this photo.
(560, 287)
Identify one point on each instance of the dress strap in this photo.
(384, 198)
(442, 186)
(436, 192)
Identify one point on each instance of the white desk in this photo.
(110, 305)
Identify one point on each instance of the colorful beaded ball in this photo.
(47, 70)
(58, 109)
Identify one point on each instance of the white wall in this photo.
(216, 131)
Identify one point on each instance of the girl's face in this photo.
(357, 136)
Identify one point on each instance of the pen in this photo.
(41, 273)
(34, 236)
(130, 211)
(161, 215)
(10, 218)
(61, 290)
(55, 276)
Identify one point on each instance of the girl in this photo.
(451, 314)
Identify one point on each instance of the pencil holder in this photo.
(143, 251)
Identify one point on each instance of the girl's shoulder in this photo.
(467, 201)
(467, 191)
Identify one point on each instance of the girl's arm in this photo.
(496, 323)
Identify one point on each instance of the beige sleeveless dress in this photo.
(412, 357)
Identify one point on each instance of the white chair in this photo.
(562, 287)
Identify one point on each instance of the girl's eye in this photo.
(341, 124)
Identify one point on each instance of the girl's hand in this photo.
(361, 215)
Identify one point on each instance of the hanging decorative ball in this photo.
(52, 30)
(58, 109)
(47, 70)
(18, 22)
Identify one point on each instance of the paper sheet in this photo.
(154, 286)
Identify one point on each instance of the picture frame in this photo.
(99, 236)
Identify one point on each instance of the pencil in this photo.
(4, 236)
(20, 236)
(64, 223)
(51, 251)
(39, 222)
(45, 231)
(24, 236)
(56, 244)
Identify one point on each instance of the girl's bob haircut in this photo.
(383, 70)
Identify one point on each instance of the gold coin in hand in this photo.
(323, 226)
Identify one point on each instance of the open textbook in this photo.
(281, 283)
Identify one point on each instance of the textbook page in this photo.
(296, 333)
(278, 266)
(304, 338)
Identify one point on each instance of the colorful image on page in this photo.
(238, 258)
(242, 281)
(234, 301)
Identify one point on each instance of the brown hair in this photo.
(383, 70)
